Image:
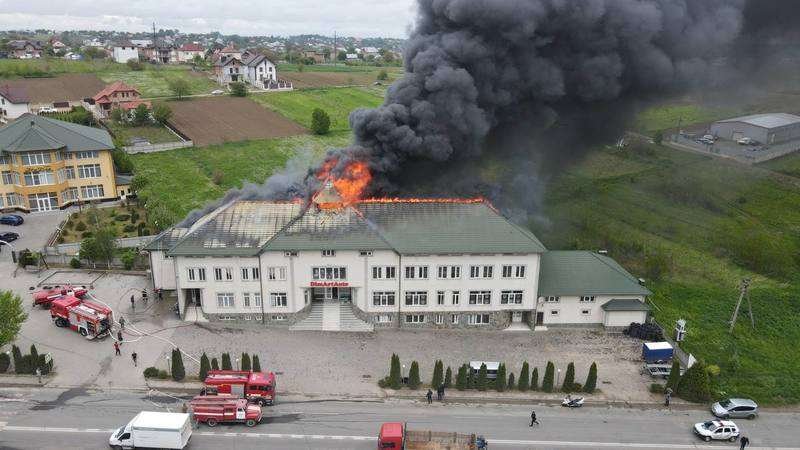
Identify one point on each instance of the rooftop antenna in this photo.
(742, 294)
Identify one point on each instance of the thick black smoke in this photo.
(473, 65)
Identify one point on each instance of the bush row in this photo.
(26, 364)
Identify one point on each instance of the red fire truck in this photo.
(256, 387)
(87, 318)
(46, 295)
(236, 410)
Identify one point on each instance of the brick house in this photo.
(117, 95)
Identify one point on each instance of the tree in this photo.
(238, 89)
(413, 376)
(320, 122)
(395, 377)
(214, 364)
(500, 381)
(162, 113)
(461, 378)
(117, 115)
(205, 366)
(101, 246)
(695, 384)
(122, 161)
(12, 315)
(591, 379)
(93, 53)
(134, 64)
(16, 356)
(549, 377)
(256, 364)
(226, 362)
(658, 137)
(511, 381)
(382, 75)
(674, 376)
(523, 384)
(342, 55)
(34, 354)
(5, 362)
(178, 371)
(448, 377)
(179, 87)
(535, 379)
(438, 377)
(569, 378)
(246, 361)
(141, 115)
(482, 380)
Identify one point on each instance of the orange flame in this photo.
(351, 183)
(423, 200)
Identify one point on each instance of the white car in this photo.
(717, 430)
(217, 92)
(47, 109)
(745, 141)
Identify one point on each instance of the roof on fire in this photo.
(245, 228)
(581, 272)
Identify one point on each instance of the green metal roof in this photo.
(619, 304)
(580, 272)
(31, 133)
(166, 239)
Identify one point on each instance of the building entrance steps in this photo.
(332, 316)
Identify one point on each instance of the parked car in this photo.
(745, 141)
(217, 92)
(9, 236)
(47, 109)
(11, 219)
(717, 430)
(735, 408)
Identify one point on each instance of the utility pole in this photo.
(742, 293)
(335, 55)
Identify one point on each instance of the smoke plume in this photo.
(473, 66)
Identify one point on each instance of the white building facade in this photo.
(124, 52)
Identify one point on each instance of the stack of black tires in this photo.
(646, 331)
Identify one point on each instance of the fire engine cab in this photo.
(87, 318)
(256, 387)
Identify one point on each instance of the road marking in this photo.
(500, 442)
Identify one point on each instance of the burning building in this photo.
(391, 262)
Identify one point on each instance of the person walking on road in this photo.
(39, 376)
(121, 323)
(429, 396)
(744, 441)
(533, 419)
(116, 348)
(133, 357)
(667, 396)
(144, 296)
(160, 295)
(119, 337)
(133, 305)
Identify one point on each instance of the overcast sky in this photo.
(384, 18)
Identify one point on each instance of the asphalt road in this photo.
(58, 419)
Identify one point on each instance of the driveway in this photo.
(34, 233)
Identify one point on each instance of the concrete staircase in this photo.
(331, 316)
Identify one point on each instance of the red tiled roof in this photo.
(133, 104)
(191, 48)
(117, 86)
(15, 94)
(230, 48)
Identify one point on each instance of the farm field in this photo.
(789, 165)
(200, 175)
(337, 102)
(64, 87)
(153, 82)
(694, 227)
(306, 79)
(12, 68)
(214, 120)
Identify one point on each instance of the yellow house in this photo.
(48, 164)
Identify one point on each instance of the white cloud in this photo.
(388, 18)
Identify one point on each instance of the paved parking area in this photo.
(34, 233)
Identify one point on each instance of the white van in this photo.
(491, 368)
(153, 430)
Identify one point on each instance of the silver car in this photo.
(735, 408)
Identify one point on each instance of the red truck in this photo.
(211, 411)
(256, 387)
(46, 296)
(87, 318)
(396, 435)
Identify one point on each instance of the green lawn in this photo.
(713, 222)
(12, 68)
(789, 164)
(337, 102)
(179, 181)
(284, 67)
(156, 134)
(153, 81)
(663, 117)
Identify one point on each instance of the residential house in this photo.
(187, 52)
(160, 53)
(125, 51)
(229, 69)
(370, 51)
(25, 49)
(352, 57)
(48, 164)
(58, 46)
(141, 43)
(117, 95)
(14, 102)
(93, 43)
(229, 51)
(317, 56)
(259, 71)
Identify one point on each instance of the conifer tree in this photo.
(214, 364)
(461, 378)
(178, 371)
(413, 376)
(226, 362)
(500, 381)
(535, 379)
(395, 377)
(549, 377)
(482, 380)
(569, 378)
(205, 365)
(256, 364)
(523, 384)
(246, 362)
(438, 376)
(591, 379)
(448, 377)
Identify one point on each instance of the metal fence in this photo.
(63, 253)
(152, 148)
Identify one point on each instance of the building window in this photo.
(5, 159)
(554, 312)
(89, 171)
(383, 298)
(481, 271)
(35, 158)
(587, 299)
(478, 319)
(415, 318)
(513, 297)
(480, 297)
(11, 178)
(257, 299)
(226, 317)
(245, 273)
(289, 254)
(69, 173)
(454, 319)
(456, 297)
(448, 272)
(416, 298)
(87, 155)
(278, 299)
(279, 317)
(328, 273)
(513, 271)
(552, 299)
(246, 299)
(196, 274)
(225, 300)
(276, 273)
(39, 178)
(440, 297)
(223, 274)
(14, 199)
(93, 191)
(384, 272)
(250, 273)
(586, 312)
(419, 272)
(439, 319)
(365, 253)
(328, 253)
(383, 318)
